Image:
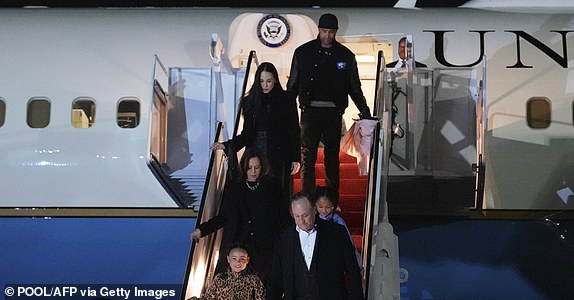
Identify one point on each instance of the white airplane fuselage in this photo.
(108, 54)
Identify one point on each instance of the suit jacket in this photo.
(255, 225)
(417, 64)
(333, 259)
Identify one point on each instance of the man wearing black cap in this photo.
(323, 74)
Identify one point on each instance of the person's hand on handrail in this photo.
(217, 146)
(195, 235)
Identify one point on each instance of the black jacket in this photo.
(284, 135)
(253, 222)
(345, 75)
(338, 275)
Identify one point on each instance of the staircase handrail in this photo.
(216, 164)
(158, 64)
(232, 160)
(376, 213)
(369, 215)
(252, 58)
(481, 123)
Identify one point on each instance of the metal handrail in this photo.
(157, 62)
(252, 58)
(481, 122)
(377, 227)
(374, 173)
(233, 163)
(209, 262)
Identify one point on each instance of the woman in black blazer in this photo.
(248, 215)
(271, 123)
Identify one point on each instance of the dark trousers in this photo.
(282, 171)
(320, 125)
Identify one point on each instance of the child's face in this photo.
(237, 259)
(324, 206)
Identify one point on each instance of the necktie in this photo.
(403, 63)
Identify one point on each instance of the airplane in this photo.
(96, 121)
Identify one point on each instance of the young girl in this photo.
(326, 205)
(236, 283)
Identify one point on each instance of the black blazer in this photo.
(284, 135)
(255, 225)
(333, 259)
(417, 64)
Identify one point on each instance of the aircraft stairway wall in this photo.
(434, 151)
(196, 99)
(423, 161)
(172, 146)
(408, 195)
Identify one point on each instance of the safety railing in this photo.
(204, 253)
(233, 161)
(380, 245)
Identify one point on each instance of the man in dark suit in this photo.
(405, 56)
(314, 259)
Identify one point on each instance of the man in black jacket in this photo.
(323, 74)
(315, 259)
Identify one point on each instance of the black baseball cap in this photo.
(328, 21)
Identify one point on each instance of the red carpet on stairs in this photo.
(352, 192)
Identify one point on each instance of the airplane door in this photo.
(159, 124)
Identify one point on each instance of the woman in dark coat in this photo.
(249, 214)
(271, 123)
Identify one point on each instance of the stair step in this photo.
(348, 170)
(343, 157)
(355, 203)
(358, 240)
(189, 185)
(347, 186)
(352, 218)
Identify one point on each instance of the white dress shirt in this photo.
(403, 65)
(307, 240)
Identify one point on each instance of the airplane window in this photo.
(83, 112)
(128, 115)
(538, 112)
(2, 111)
(38, 112)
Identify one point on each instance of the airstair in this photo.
(423, 161)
